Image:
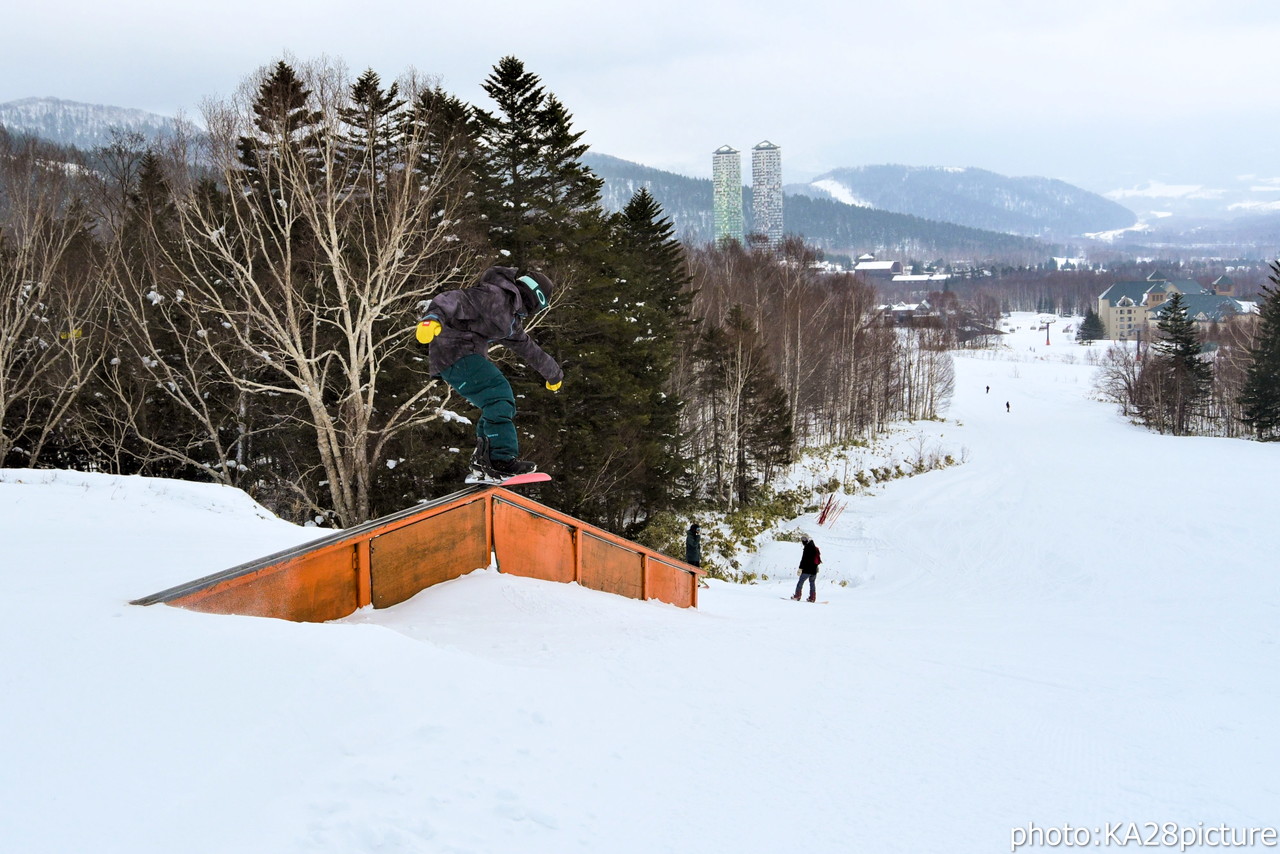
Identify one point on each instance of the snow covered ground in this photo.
(1077, 626)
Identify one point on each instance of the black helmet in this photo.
(538, 289)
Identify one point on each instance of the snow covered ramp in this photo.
(388, 560)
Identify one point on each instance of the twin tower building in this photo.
(766, 193)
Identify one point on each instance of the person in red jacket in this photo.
(460, 326)
(809, 561)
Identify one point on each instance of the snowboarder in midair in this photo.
(809, 560)
(460, 325)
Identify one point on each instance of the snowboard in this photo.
(514, 480)
(823, 602)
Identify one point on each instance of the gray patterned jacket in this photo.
(489, 312)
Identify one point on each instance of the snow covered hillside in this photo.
(1077, 626)
(83, 125)
(1030, 206)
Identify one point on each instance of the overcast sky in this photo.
(1102, 93)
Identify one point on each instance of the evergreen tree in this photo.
(151, 199)
(452, 154)
(510, 177)
(286, 127)
(1177, 377)
(650, 309)
(450, 128)
(1260, 399)
(367, 148)
(1091, 328)
(568, 185)
(537, 194)
(603, 436)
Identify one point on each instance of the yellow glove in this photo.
(427, 330)
(554, 386)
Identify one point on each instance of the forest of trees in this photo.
(239, 308)
(784, 354)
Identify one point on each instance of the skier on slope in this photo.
(809, 560)
(460, 325)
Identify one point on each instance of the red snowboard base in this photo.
(516, 480)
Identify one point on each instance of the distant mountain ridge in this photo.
(1045, 208)
(832, 225)
(84, 126)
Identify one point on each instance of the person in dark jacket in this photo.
(809, 560)
(460, 326)
(693, 545)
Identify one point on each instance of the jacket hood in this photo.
(526, 285)
(505, 278)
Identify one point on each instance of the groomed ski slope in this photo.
(1076, 626)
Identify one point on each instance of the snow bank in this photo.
(1078, 625)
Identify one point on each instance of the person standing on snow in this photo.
(809, 561)
(693, 545)
(460, 325)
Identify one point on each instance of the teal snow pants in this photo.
(483, 385)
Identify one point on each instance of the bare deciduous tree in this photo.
(47, 300)
(1118, 378)
(298, 279)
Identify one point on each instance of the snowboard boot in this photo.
(481, 470)
(486, 470)
(480, 456)
(795, 598)
(511, 468)
(813, 598)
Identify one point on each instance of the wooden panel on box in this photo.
(308, 588)
(670, 584)
(611, 568)
(408, 560)
(531, 545)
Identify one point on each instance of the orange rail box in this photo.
(386, 561)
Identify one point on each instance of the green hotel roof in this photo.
(1120, 290)
(1212, 306)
